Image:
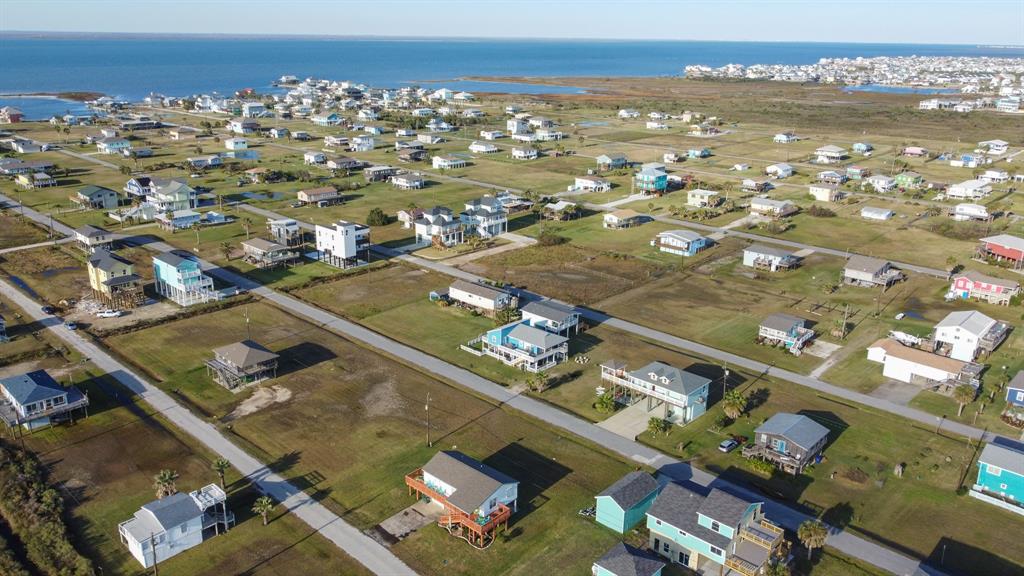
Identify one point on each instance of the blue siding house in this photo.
(713, 533)
(1001, 477)
(624, 504)
(625, 560)
(681, 242)
(521, 345)
(698, 153)
(651, 181)
(1015, 391)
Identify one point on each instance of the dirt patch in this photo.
(855, 475)
(42, 363)
(383, 399)
(259, 400)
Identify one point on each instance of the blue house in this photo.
(1001, 477)
(651, 181)
(179, 219)
(698, 153)
(713, 533)
(681, 242)
(862, 147)
(35, 399)
(624, 504)
(521, 345)
(1015, 391)
(682, 396)
(625, 560)
(182, 280)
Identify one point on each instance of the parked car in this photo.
(71, 325)
(728, 445)
(48, 309)
(109, 314)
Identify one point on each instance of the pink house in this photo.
(970, 284)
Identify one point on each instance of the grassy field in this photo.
(50, 273)
(17, 231)
(104, 467)
(372, 407)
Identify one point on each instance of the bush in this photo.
(551, 239)
(377, 217)
(820, 212)
(761, 466)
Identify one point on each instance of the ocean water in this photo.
(132, 66)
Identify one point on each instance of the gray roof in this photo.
(245, 353)
(263, 245)
(477, 289)
(171, 258)
(724, 507)
(1005, 457)
(472, 480)
(106, 261)
(767, 250)
(550, 310)
(625, 560)
(866, 264)
(972, 321)
(782, 322)
(536, 337)
(796, 428)
(91, 191)
(679, 506)
(90, 231)
(1018, 381)
(33, 387)
(631, 489)
(679, 381)
(172, 510)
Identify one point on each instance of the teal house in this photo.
(1001, 477)
(698, 152)
(651, 181)
(712, 534)
(625, 560)
(624, 504)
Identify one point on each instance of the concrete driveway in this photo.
(630, 421)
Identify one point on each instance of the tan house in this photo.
(266, 254)
(625, 218)
(242, 363)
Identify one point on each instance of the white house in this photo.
(995, 176)
(780, 170)
(701, 198)
(486, 299)
(528, 153)
(881, 183)
(361, 143)
(825, 192)
(478, 147)
(343, 243)
(655, 125)
(408, 181)
(874, 213)
(966, 211)
(908, 365)
(763, 257)
(785, 138)
(171, 525)
(994, 147)
(773, 208)
(969, 190)
(965, 334)
(236, 144)
(627, 113)
(486, 217)
(243, 126)
(491, 134)
(830, 154)
(590, 184)
(439, 225)
(517, 126)
(448, 162)
(314, 158)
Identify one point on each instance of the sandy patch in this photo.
(259, 400)
(383, 400)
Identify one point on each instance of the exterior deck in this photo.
(783, 461)
(478, 531)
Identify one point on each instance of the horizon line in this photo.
(413, 38)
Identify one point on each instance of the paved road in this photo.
(64, 240)
(696, 347)
(365, 550)
(37, 217)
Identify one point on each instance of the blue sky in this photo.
(900, 21)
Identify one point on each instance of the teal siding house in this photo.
(1001, 477)
(716, 533)
(624, 504)
(651, 181)
(625, 560)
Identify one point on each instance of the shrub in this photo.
(551, 239)
(377, 217)
(820, 212)
(761, 466)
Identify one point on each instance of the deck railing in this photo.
(740, 565)
(481, 526)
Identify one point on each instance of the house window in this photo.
(1002, 486)
(665, 547)
(715, 526)
(1020, 396)
(716, 551)
(184, 528)
(682, 534)
(994, 470)
(658, 522)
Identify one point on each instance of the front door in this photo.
(684, 558)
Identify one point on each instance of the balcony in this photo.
(741, 566)
(622, 378)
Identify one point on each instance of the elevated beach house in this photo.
(624, 218)
(113, 281)
(1003, 248)
(789, 441)
(681, 395)
(870, 272)
(268, 254)
(915, 366)
(241, 364)
(474, 499)
(768, 258)
(485, 217)
(487, 300)
(344, 244)
(973, 285)
(523, 345)
(716, 533)
(91, 238)
(1001, 477)
(438, 226)
(182, 280)
(552, 316)
(965, 334)
(95, 197)
(169, 526)
(786, 330)
(681, 242)
(34, 400)
(625, 560)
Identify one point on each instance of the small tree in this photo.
(605, 403)
(164, 483)
(263, 506)
(963, 394)
(221, 466)
(734, 404)
(225, 249)
(812, 534)
(657, 426)
(377, 217)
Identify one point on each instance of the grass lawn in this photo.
(104, 467)
(855, 486)
(372, 407)
(18, 231)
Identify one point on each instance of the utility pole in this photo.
(427, 408)
(248, 333)
(725, 378)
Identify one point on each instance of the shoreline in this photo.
(73, 96)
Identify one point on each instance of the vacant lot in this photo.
(17, 231)
(353, 424)
(51, 274)
(104, 467)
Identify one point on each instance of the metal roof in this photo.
(536, 337)
(172, 510)
(1005, 457)
(969, 320)
(33, 387)
(625, 560)
(550, 310)
(245, 353)
(670, 378)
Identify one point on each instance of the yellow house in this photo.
(113, 280)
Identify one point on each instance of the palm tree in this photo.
(963, 394)
(657, 426)
(164, 483)
(246, 223)
(263, 506)
(225, 249)
(605, 403)
(812, 534)
(221, 466)
(734, 404)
